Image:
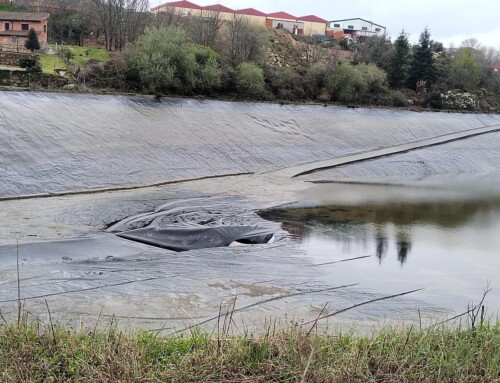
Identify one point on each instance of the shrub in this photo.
(347, 84)
(457, 100)
(434, 100)
(375, 78)
(31, 64)
(250, 80)
(399, 98)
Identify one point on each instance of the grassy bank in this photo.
(80, 56)
(42, 354)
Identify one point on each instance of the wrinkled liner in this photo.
(183, 239)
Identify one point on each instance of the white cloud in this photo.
(490, 39)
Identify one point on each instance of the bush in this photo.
(30, 64)
(374, 77)
(165, 59)
(66, 54)
(250, 80)
(347, 84)
(316, 78)
(434, 100)
(399, 98)
(457, 100)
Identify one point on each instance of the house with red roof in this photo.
(314, 25)
(496, 66)
(306, 25)
(283, 20)
(182, 8)
(253, 15)
(217, 10)
(14, 28)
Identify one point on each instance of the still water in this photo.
(451, 248)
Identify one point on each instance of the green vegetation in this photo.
(166, 60)
(12, 7)
(51, 62)
(37, 353)
(71, 55)
(171, 54)
(32, 42)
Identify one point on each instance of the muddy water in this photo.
(448, 246)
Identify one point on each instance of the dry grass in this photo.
(37, 353)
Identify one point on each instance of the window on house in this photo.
(44, 29)
(336, 25)
(377, 29)
(350, 27)
(7, 26)
(25, 27)
(364, 28)
(13, 40)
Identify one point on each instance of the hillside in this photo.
(285, 51)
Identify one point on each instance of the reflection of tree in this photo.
(403, 244)
(381, 243)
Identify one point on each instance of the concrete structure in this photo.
(313, 25)
(355, 28)
(253, 16)
(283, 20)
(183, 8)
(14, 28)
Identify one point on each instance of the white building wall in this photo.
(364, 27)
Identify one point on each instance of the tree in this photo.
(422, 65)
(399, 64)
(250, 80)
(120, 21)
(165, 59)
(244, 42)
(375, 50)
(32, 42)
(347, 84)
(465, 73)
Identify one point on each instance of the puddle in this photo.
(450, 248)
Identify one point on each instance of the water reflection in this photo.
(382, 228)
(450, 248)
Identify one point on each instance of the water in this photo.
(451, 248)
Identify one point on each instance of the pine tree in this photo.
(32, 42)
(400, 61)
(422, 65)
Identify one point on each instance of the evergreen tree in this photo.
(422, 65)
(400, 61)
(32, 42)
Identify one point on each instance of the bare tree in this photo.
(120, 21)
(244, 42)
(207, 29)
(169, 17)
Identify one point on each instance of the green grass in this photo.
(51, 62)
(36, 354)
(82, 55)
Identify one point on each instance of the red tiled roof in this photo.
(250, 12)
(218, 8)
(496, 65)
(281, 15)
(178, 4)
(24, 16)
(313, 19)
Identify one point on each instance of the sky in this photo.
(450, 21)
